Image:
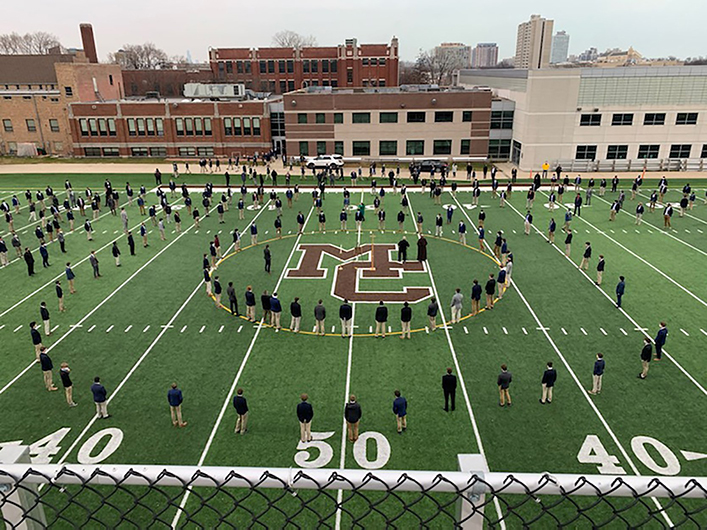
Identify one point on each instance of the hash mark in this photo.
(602, 331)
(128, 328)
(466, 330)
(184, 328)
(202, 329)
(146, 328)
(239, 329)
(111, 327)
(563, 331)
(91, 328)
(220, 329)
(623, 331)
(525, 331)
(685, 332)
(582, 330)
(18, 328)
(505, 331)
(486, 331)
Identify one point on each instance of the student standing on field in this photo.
(568, 242)
(432, 310)
(405, 319)
(345, 315)
(305, 414)
(241, 405)
(504, 383)
(548, 383)
(64, 373)
(47, 366)
(381, 318)
(36, 338)
(475, 298)
(250, 304)
(620, 290)
(296, 314)
(490, 291)
(660, 339)
(400, 409)
(232, 299)
(275, 311)
(352, 415)
(598, 374)
(44, 313)
(100, 398)
(456, 306)
(449, 387)
(320, 318)
(217, 292)
(600, 269)
(584, 264)
(646, 356)
(175, 399)
(60, 295)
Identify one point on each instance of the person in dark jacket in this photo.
(660, 339)
(504, 382)
(305, 413)
(241, 406)
(646, 356)
(548, 383)
(449, 386)
(100, 398)
(47, 366)
(44, 313)
(405, 319)
(403, 246)
(267, 255)
(381, 319)
(620, 289)
(320, 318)
(345, 315)
(250, 304)
(296, 313)
(275, 311)
(598, 374)
(218, 290)
(265, 302)
(131, 243)
(476, 297)
(29, 259)
(175, 398)
(45, 255)
(36, 338)
(400, 409)
(352, 415)
(490, 289)
(64, 373)
(232, 299)
(432, 310)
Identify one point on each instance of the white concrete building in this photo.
(604, 119)
(534, 43)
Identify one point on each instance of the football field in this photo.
(150, 322)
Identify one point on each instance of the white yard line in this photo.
(229, 395)
(678, 203)
(635, 324)
(632, 253)
(462, 384)
(574, 377)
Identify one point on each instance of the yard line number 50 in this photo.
(304, 457)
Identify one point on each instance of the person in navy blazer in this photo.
(660, 339)
(305, 413)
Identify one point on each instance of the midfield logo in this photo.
(347, 275)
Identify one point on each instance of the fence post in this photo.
(19, 503)
(470, 507)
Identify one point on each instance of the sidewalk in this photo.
(672, 176)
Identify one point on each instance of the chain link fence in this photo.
(73, 496)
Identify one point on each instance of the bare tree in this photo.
(291, 39)
(437, 66)
(410, 74)
(140, 57)
(37, 43)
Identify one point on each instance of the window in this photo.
(178, 124)
(466, 115)
(680, 150)
(654, 118)
(54, 125)
(466, 147)
(444, 116)
(590, 120)
(333, 65)
(416, 117)
(302, 117)
(31, 126)
(69, 92)
(207, 127)
(92, 151)
(205, 151)
(83, 125)
(304, 148)
(622, 119)
(248, 67)
(334, 83)
(138, 151)
(102, 128)
(305, 66)
(442, 147)
(92, 127)
(325, 66)
(617, 152)
(237, 127)
(112, 131)
(362, 148)
(160, 152)
(321, 148)
(586, 152)
(271, 67)
(388, 117)
(349, 75)
(290, 86)
(239, 67)
(111, 151)
(290, 66)
(229, 67)
(189, 126)
(374, 61)
(686, 118)
(499, 149)
(648, 151)
(246, 127)
(315, 66)
(283, 87)
(320, 117)
(141, 131)
(263, 67)
(365, 61)
(188, 151)
(388, 147)
(339, 148)
(198, 128)
(256, 126)
(159, 127)
(7, 125)
(381, 61)
(415, 147)
(12, 147)
(338, 117)
(704, 151)
(361, 117)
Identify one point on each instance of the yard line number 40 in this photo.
(594, 452)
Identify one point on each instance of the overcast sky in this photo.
(656, 28)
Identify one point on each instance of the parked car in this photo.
(426, 166)
(324, 162)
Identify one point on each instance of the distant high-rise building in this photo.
(560, 47)
(534, 43)
(484, 55)
(589, 55)
(459, 52)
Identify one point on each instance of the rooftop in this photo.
(383, 90)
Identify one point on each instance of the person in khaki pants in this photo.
(646, 356)
(100, 398)
(305, 413)
(598, 374)
(600, 269)
(432, 311)
(47, 367)
(400, 409)
(548, 383)
(175, 398)
(66, 382)
(381, 319)
(320, 318)
(405, 318)
(504, 382)
(352, 415)
(241, 405)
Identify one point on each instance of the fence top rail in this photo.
(348, 479)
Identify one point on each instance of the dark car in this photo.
(426, 166)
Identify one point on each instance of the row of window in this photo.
(388, 147)
(313, 66)
(58, 147)
(145, 127)
(649, 118)
(620, 152)
(155, 126)
(193, 126)
(158, 152)
(30, 87)
(53, 100)
(97, 127)
(444, 116)
(241, 126)
(30, 124)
